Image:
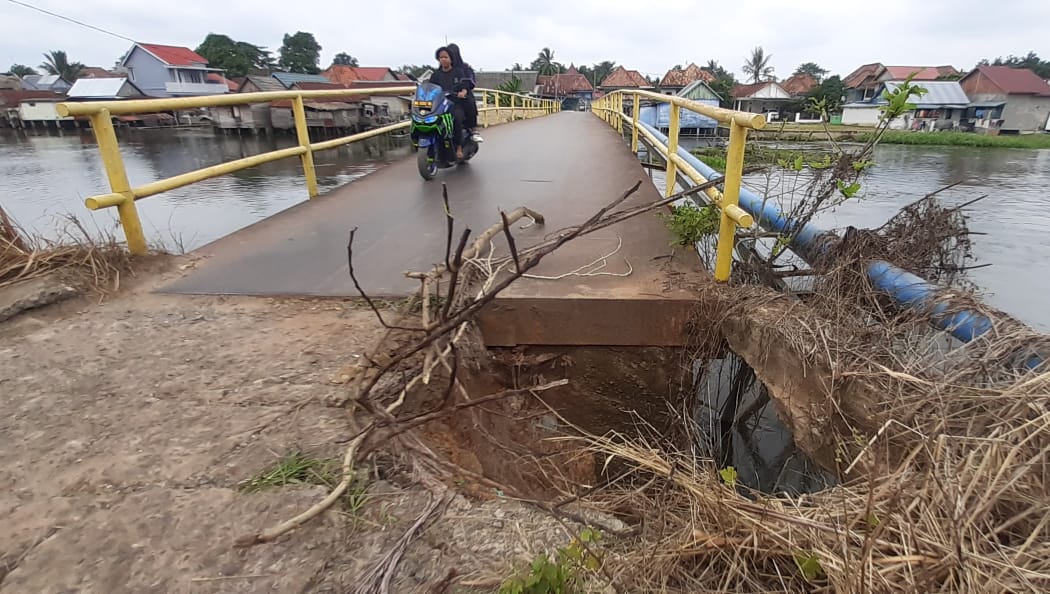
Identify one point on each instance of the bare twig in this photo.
(361, 291)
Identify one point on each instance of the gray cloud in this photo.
(647, 36)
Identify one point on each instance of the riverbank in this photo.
(145, 434)
(1026, 141)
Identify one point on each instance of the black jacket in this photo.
(454, 80)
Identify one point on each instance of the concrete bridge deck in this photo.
(566, 166)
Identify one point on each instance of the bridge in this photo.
(621, 286)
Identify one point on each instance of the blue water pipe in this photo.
(905, 288)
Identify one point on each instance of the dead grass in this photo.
(94, 262)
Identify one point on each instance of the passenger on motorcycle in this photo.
(458, 81)
(470, 107)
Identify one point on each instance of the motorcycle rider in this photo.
(470, 107)
(458, 81)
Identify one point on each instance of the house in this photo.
(571, 87)
(344, 75)
(168, 71)
(11, 101)
(940, 108)
(799, 85)
(1006, 100)
(11, 82)
(216, 78)
(260, 84)
(862, 83)
(677, 79)
(389, 108)
(690, 122)
(622, 78)
(289, 79)
(762, 97)
(45, 82)
(494, 80)
(100, 89)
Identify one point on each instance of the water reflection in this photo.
(45, 177)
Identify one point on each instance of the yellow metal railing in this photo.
(611, 109)
(123, 196)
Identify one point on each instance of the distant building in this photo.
(1004, 99)
(571, 88)
(762, 97)
(690, 122)
(799, 85)
(45, 82)
(289, 79)
(623, 79)
(941, 108)
(11, 101)
(169, 71)
(862, 83)
(677, 79)
(344, 75)
(104, 89)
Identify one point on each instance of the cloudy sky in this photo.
(647, 36)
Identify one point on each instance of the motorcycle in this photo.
(432, 130)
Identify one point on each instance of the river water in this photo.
(44, 177)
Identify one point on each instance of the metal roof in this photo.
(290, 78)
(102, 88)
(492, 80)
(939, 93)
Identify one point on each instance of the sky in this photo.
(649, 37)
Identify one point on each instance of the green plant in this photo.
(297, 468)
(690, 223)
(563, 574)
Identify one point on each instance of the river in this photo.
(44, 177)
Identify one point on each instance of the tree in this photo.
(723, 83)
(300, 53)
(237, 58)
(825, 98)
(517, 67)
(56, 62)
(813, 69)
(602, 70)
(21, 70)
(757, 66)
(414, 70)
(545, 64)
(345, 59)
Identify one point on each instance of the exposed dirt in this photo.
(128, 425)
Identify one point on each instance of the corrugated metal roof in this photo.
(939, 93)
(290, 78)
(263, 83)
(98, 88)
(48, 80)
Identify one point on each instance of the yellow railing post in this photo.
(303, 133)
(619, 113)
(671, 179)
(635, 111)
(109, 149)
(484, 110)
(730, 200)
(513, 107)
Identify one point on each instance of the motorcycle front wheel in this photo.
(427, 166)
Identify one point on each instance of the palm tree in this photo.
(757, 67)
(545, 64)
(56, 62)
(21, 70)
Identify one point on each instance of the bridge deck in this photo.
(565, 166)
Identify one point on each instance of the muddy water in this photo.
(44, 178)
